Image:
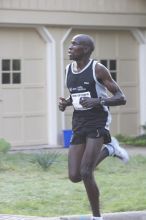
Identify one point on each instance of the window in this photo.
(11, 71)
(112, 66)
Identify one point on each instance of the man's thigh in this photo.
(91, 153)
(75, 156)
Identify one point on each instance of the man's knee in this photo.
(86, 173)
(75, 178)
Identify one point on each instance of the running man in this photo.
(88, 81)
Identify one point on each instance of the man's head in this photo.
(82, 45)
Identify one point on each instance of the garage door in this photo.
(22, 87)
(118, 50)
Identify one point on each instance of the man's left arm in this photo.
(118, 97)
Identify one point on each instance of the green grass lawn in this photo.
(26, 189)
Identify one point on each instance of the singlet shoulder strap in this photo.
(66, 73)
(93, 69)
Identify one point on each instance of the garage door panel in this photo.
(105, 47)
(127, 71)
(132, 120)
(131, 96)
(128, 47)
(35, 129)
(33, 47)
(34, 71)
(8, 40)
(34, 100)
(23, 114)
(12, 101)
(13, 129)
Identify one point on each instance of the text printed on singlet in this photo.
(76, 100)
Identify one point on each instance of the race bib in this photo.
(76, 100)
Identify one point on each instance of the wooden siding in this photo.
(101, 6)
(77, 13)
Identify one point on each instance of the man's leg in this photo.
(75, 155)
(113, 149)
(116, 150)
(88, 164)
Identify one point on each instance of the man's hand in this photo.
(62, 104)
(87, 102)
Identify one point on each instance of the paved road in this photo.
(132, 150)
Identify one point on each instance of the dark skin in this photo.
(83, 158)
(103, 75)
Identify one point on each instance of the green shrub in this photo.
(4, 146)
(135, 141)
(46, 159)
(144, 128)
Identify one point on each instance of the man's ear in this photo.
(87, 49)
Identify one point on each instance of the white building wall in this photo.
(58, 17)
(93, 13)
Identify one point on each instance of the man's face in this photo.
(76, 50)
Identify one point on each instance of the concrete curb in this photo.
(134, 215)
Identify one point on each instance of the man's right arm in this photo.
(63, 103)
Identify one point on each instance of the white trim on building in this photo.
(51, 84)
(142, 75)
(62, 71)
(141, 38)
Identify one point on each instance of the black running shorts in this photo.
(83, 129)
